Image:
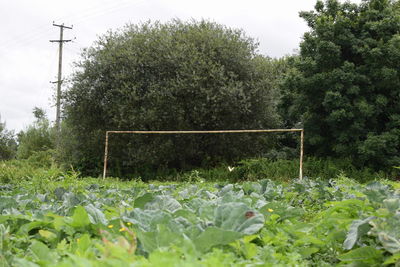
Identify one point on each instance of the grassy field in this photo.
(53, 218)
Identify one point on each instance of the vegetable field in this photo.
(89, 222)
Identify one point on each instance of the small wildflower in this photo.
(110, 226)
(270, 210)
(129, 224)
(77, 240)
(122, 229)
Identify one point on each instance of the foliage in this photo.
(94, 222)
(42, 166)
(278, 170)
(8, 145)
(258, 169)
(37, 138)
(174, 76)
(345, 84)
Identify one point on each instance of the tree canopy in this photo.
(345, 84)
(196, 75)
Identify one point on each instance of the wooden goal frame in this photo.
(208, 132)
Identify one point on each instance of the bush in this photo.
(38, 137)
(17, 171)
(173, 76)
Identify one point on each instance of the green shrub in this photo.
(172, 76)
(38, 137)
(17, 171)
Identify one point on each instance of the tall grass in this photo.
(15, 171)
(35, 171)
(256, 169)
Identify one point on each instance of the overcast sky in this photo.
(28, 61)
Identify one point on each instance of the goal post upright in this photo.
(301, 154)
(207, 132)
(105, 156)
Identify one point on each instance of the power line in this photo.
(91, 12)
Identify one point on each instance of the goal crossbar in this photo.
(208, 132)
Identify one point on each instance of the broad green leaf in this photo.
(148, 240)
(250, 187)
(193, 231)
(59, 192)
(249, 238)
(58, 221)
(188, 215)
(394, 259)
(238, 217)
(26, 228)
(83, 243)
(96, 216)
(71, 200)
(161, 237)
(80, 217)
(387, 230)
(47, 234)
(43, 253)
(226, 189)
(147, 220)
(357, 229)
(364, 254)
(188, 247)
(393, 205)
(206, 210)
(7, 202)
(376, 192)
(250, 250)
(213, 236)
(163, 203)
(390, 242)
(141, 201)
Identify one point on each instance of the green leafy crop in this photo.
(111, 223)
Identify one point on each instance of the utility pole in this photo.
(61, 41)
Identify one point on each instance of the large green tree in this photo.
(174, 76)
(345, 84)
